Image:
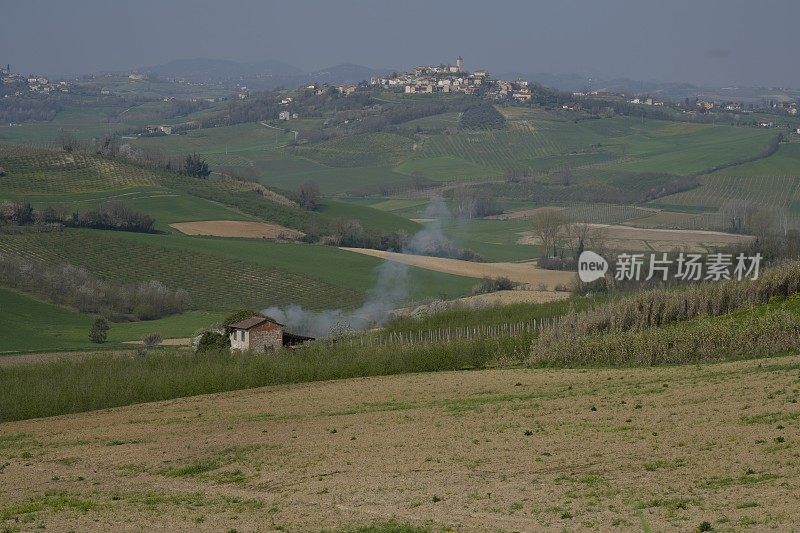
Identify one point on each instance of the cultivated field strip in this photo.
(496, 150)
(213, 282)
(41, 172)
(715, 191)
(604, 213)
(372, 149)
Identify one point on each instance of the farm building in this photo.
(260, 334)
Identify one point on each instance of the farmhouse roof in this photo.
(250, 323)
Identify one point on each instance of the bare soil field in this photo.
(237, 228)
(520, 272)
(660, 449)
(637, 239)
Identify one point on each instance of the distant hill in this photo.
(673, 91)
(347, 73)
(581, 82)
(266, 74)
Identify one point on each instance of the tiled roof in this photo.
(249, 323)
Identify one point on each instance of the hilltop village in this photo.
(454, 79)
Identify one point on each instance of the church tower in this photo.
(460, 64)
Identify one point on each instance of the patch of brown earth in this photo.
(527, 273)
(659, 449)
(237, 228)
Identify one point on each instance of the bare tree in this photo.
(578, 234)
(548, 226)
(308, 195)
(761, 223)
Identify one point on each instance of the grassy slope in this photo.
(28, 324)
(95, 383)
(32, 325)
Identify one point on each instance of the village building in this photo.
(522, 95)
(284, 115)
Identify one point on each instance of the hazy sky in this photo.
(702, 41)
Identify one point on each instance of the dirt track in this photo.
(496, 450)
(519, 272)
(237, 228)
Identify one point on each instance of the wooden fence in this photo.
(444, 335)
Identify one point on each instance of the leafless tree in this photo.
(548, 226)
(308, 195)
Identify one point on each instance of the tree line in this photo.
(75, 287)
(25, 109)
(111, 215)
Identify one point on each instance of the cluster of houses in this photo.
(169, 129)
(453, 79)
(790, 108)
(17, 84)
(646, 101)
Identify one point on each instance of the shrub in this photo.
(213, 342)
(99, 331)
(488, 284)
(195, 166)
(151, 340)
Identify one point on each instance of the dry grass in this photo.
(501, 450)
(673, 326)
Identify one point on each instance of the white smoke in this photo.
(390, 290)
(431, 238)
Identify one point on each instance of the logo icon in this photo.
(591, 266)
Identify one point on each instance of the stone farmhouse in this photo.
(261, 334)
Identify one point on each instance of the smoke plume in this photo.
(391, 288)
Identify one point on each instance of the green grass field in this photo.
(535, 141)
(30, 325)
(226, 273)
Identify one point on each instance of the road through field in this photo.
(660, 449)
(518, 272)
